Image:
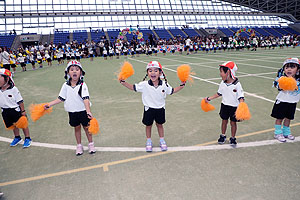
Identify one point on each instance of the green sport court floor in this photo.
(195, 167)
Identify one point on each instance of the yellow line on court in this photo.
(106, 165)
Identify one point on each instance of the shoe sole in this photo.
(79, 154)
(16, 143)
(148, 150)
(27, 146)
(221, 142)
(92, 152)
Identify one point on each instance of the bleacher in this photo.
(191, 32)
(273, 32)
(261, 31)
(146, 32)
(226, 31)
(163, 34)
(96, 35)
(177, 32)
(291, 31)
(80, 36)
(6, 40)
(61, 37)
(113, 34)
(282, 31)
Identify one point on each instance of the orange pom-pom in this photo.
(94, 126)
(38, 110)
(287, 83)
(22, 122)
(242, 112)
(126, 71)
(184, 73)
(206, 106)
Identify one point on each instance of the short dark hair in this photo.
(225, 69)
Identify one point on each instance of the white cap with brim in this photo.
(291, 60)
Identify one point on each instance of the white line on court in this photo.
(157, 149)
(195, 77)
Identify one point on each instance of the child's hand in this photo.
(23, 113)
(122, 82)
(207, 100)
(89, 114)
(46, 107)
(183, 84)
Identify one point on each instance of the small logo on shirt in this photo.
(9, 95)
(234, 90)
(163, 91)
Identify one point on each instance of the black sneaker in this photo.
(233, 141)
(222, 139)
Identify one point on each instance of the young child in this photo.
(75, 95)
(232, 94)
(12, 105)
(154, 92)
(286, 101)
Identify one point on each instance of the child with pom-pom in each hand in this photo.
(154, 92)
(287, 82)
(12, 105)
(232, 95)
(75, 95)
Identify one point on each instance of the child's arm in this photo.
(88, 108)
(23, 112)
(207, 99)
(241, 99)
(177, 89)
(52, 103)
(128, 85)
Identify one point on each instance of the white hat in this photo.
(73, 63)
(232, 66)
(291, 60)
(154, 64)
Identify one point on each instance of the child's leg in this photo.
(88, 135)
(224, 126)
(26, 132)
(78, 134)
(233, 128)
(160, 130)
(16, 132)
(148, 131)
(278, 134)
(286, 129)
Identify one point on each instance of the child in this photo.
(232, 94)
(74, 93)
(286, 101)
(21, 60)
(12, 105)
(154, 93)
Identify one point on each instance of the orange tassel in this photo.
(94, 126)
(206, 106)
(184, 73)
(22, 122)
(126, 71)
(287, 83)
(242, 112)
(38, 110)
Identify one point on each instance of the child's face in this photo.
(74, 73)
(291, 69)
(2, 81)
(223, 74)
(153, 73)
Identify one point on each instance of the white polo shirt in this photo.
(288, 96)
(153, 97)
(231, 93)
(72, 101)
(10, 98)
(4, 57)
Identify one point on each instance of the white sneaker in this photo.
(280, 138)
(91, 148)
(79, 150)
(290, 137)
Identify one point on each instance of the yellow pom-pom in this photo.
(27, 52)
(206, 106)
(242, 112)
(126, 71)
(94, 126)
(38, 110)
(287, 83)
(22, 122)
(11, 62)
(184, 73)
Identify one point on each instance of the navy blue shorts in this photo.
(283, 110)
(10, 116)
(154, 114)
(227, 112)
(77, 118)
